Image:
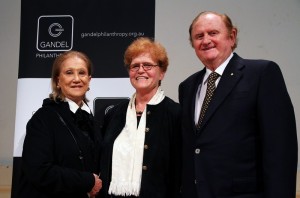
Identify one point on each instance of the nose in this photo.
(206, 40)
(76, 77)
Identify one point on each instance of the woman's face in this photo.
(74, 79)
(145, 81)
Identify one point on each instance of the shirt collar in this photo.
(219, 69)
(73, 106)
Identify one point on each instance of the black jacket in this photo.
(58, 160)
(162, 156)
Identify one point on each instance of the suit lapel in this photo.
(230, 77)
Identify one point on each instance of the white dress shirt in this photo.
(73, 106)
(202, 87)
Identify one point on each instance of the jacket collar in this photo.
(231, 76)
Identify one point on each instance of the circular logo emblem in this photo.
(55, 29)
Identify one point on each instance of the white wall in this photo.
(269, 29)
(9, 63)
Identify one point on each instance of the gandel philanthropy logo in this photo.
(55, 33)
(55, 29)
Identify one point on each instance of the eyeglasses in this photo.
(146, 66)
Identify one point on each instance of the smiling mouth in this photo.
(141, 77)
(207, 48)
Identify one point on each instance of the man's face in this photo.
(211, 40)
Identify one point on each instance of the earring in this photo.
(88, 89)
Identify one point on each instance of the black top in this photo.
(60, 153)
(162, 156)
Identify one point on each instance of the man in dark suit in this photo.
(245, 143)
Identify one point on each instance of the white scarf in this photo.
(128, 151)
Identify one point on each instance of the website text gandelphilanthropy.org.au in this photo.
(111, 34)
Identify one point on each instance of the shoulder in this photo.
(171, 102)
(49, 110)
(43, 113)
(41, 122)
(172, 106)
(259, 64)
(192, 78)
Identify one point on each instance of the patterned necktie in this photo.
(211, 86)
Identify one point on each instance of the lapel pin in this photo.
(231, 74)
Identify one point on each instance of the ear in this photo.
(57, 81)
(162, 75)
(89, 80)
(233, 36)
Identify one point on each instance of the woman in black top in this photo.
(142, 144)
(62, 147)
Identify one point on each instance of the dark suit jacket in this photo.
(51, 165)
(162, 158)
(247, 145)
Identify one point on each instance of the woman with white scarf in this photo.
(142, 141)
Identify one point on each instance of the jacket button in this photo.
(148, 112)
(146, 146)
(197, 151)
(145, 167)
(147, 129)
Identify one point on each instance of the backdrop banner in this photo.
(100, 28)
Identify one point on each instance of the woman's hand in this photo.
(97, 186)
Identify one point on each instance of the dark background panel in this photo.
(103, 104)
(17, 161)
(132, 17)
